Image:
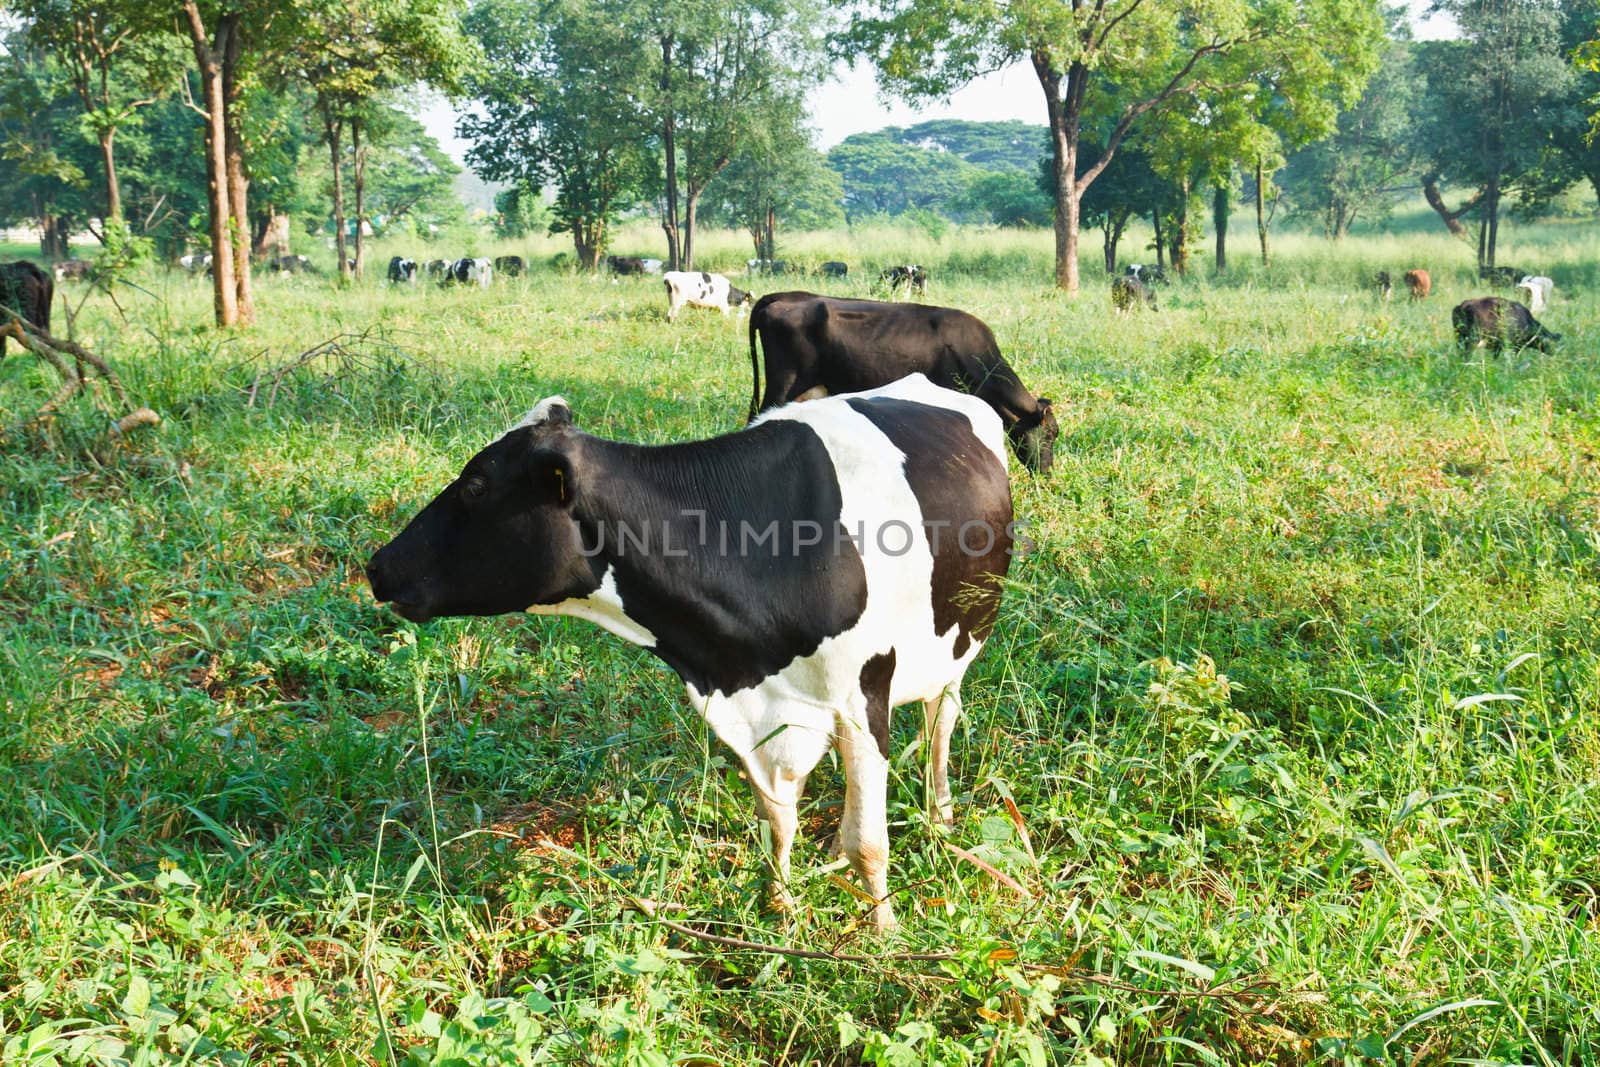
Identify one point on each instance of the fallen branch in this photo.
(343, 354)
(55, 351)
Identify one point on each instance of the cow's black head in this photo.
(501, 537)
(1034, 437)
(738, 297)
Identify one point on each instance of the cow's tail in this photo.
(755, 371)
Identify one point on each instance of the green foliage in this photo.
(556, 91)
(1363, 167)
(883, 176)
(1007, 198)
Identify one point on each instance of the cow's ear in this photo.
(552, 476)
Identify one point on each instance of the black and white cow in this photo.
(479, 272)
(834, 268)
(822, 345)
(766, 266)
(195, 262)
(1128, 293)
(700, 289)
(292, 264)
(26, 293)
(438, 270)
(510, 266)
(402, 271)
(1146, 273)
(910, 275)
(888, 525)
(72, 268)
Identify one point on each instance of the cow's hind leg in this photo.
(939, 723)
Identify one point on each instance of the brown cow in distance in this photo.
(1419, 284)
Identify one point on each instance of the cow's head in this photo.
(501, 537)
(1034, 437)
(739, 298)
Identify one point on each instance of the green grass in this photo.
(1297, 699)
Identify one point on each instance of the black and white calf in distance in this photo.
(701, 289)
(785, 654)
(913, 277)
(814, 346)
(402, 271)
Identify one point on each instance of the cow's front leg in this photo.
(939, 722)
(778, 804)
(864, 830)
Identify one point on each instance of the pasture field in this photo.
(1286, 748)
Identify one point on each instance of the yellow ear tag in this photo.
(561, 485)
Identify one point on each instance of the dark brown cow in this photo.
(1128, 293)
(26, 292)
(1497, 322)
(822, 346)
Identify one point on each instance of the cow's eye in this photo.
(474, 487)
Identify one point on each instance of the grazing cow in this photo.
(479, 272)
(26, 293)
(439, 270)
(195, 262)
(402, 271)
(766, 266)
(701, 289)
(1496, 322)
(1128, 293)
(291, 265)
(1418, 284)
(72, 268)
(835, 269)
(1148, 273)
(1538, 289)
(510, 266)
(625, 264)
(822, 345)
(910, 275)
(884, 526)
(1502, 276)
(1383, 284)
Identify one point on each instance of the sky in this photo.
(849, 102)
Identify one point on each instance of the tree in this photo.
(882, 176)
(42, 172)
(350, 52)
(1006, 198)
(118, 60)
(559, 92)
(1116, 59)
(1127, 188)
(1492, 96)
(725, 71)
(1370, 158)
(779, 176)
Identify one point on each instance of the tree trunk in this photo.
(669, 130)
(1180, 238)
(113, 192)
(1452, 219)
(333, 129)
(1220, 205)
(359, 155)
(691, 201)
(587, 235)
(207, 58)
(1492, 217)
(238, 182)
(772, 227)
(53, 235)
(1161, 249)
(1064, 115)
(1261, 214)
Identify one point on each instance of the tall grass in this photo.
(1295, 701)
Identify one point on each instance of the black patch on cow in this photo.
(705, 277)
(27, 292)
(876, 676)
(736, 606)
(966, 510)
(848, 346)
